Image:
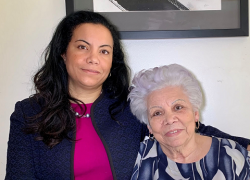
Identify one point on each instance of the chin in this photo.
(174, 143)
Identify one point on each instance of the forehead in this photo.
(166, 95)
(89, 31)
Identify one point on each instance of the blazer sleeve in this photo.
(19, 153)
(212, 131)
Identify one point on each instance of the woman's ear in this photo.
(64, 57)
(150, 129)
(196, 116)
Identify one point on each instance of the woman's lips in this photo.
(90, 71)
(174, 132)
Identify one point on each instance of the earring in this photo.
(197, 125)
(130, 88)
(151, 137)
(110, 74)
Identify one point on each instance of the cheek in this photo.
(191, 125)
(188, 121)
(69, 66)
(73, 61)
(107, 66)
(155, 128)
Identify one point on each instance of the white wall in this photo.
(26, 28)
(222, 65)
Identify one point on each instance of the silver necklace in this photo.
(79, 115)
(82, 116)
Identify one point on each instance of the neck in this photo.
(85, 95)
(191, 151)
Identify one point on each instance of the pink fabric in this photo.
(90, 158)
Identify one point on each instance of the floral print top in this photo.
(226, 160)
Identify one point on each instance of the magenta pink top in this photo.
(90, 158)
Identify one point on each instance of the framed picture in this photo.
(228, 19)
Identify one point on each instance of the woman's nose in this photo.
(169, 118)
(93, 58)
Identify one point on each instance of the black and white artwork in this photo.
(155, 5)
(161, 19)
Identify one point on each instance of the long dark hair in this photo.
(55, 120)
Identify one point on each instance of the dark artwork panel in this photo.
(163, 5)
(146, 5)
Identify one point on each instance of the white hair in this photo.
(146, 81)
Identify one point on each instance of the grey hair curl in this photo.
(146, 81)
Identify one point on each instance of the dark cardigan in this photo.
(33, 160)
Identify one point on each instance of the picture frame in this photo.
(231, 21)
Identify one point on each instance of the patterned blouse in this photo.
(226, 160)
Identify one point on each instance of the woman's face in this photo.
(171, 117)
(88, 57)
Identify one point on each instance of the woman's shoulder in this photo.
(26, 101)
(123, 107)
(28, 106)
(148, 146)
(148, 150)
(230, 147)
(230, 152)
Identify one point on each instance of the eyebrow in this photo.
(89, 43)
(155, 107)
(177, 100)
(171, 104)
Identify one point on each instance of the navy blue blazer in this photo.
(33, 160)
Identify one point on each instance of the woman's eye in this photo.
(178, 107)
(104, 52)
(157, 113)
(82, 47)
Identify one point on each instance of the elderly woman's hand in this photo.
(248, 147)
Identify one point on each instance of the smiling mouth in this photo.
(91, 71)
(172, 132)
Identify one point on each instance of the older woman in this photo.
(168, 100)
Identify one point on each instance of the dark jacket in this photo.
(29, 159)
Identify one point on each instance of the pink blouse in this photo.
(90, 158)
